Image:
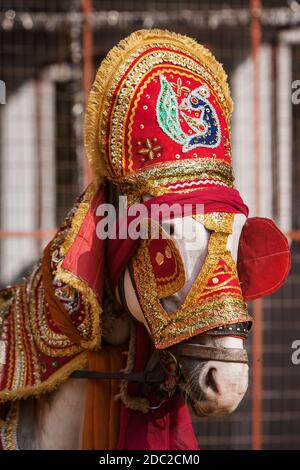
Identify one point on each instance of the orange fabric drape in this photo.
(102, 410)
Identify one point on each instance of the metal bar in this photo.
(193, 18)
(142, 377)
(38, 234)
(38, 172)
(257, 349)
(294, 235)
(275, 139)
(87, 7)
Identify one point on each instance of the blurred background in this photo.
(49, 52)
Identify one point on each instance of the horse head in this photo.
(210, 368)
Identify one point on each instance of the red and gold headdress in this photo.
(158, 116)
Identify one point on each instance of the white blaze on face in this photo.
(194, 252)
(223, 384)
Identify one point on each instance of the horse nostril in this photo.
(210, 380)
(172, 229)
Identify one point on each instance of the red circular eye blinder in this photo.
(264, 258)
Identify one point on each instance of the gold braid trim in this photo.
(56, 379)
(153, 180)
(91, 298)
(8, 428)
(113, 62)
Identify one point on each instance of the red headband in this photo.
(215, 199)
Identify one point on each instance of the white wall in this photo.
(242, 132)
(19, 173)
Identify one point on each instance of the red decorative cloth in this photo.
(264, 258)
(215, 199)
(167, 428)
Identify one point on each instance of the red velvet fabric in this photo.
(168, 428)
(264, 258)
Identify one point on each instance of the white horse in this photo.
(213, 387)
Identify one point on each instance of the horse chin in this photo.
(204, 408)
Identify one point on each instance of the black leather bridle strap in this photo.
(142, 377)
(199, 351)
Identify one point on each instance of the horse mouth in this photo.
(193, 399)
(195, 407)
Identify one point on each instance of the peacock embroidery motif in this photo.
(195, 109)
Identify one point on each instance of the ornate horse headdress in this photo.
(158, 116)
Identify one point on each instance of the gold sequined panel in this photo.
(48, 338)
(155, 180)
(216, 221)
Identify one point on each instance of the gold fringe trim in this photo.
(8, 428)
(113, 62)
(90, 297)
(56, 379)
